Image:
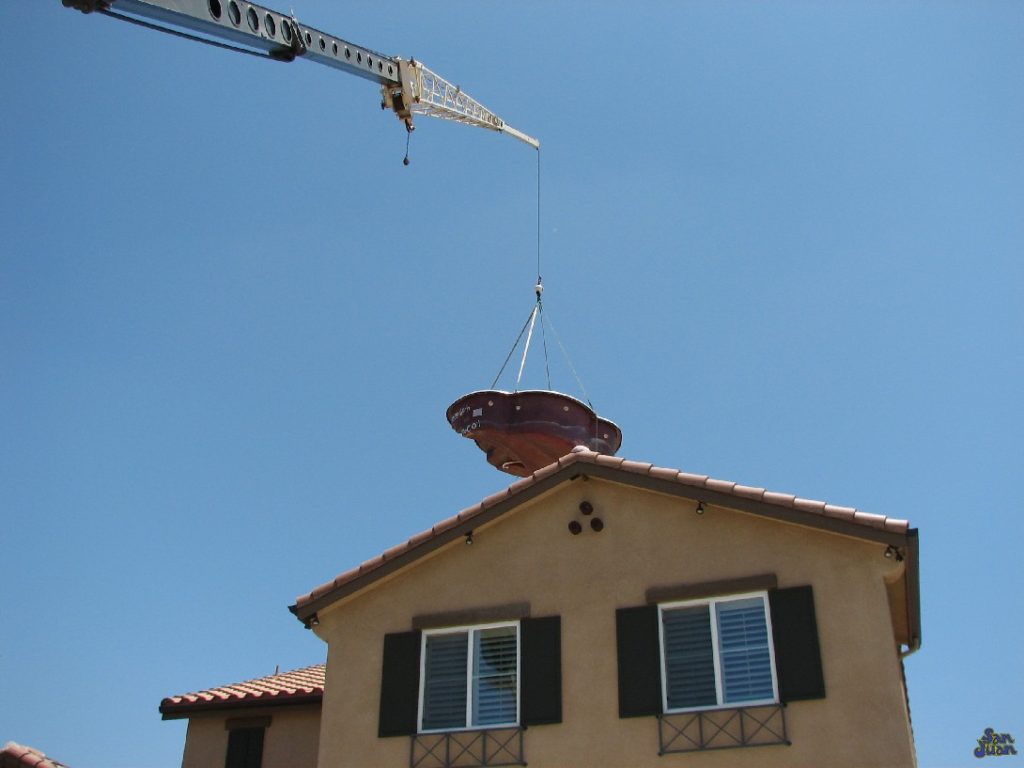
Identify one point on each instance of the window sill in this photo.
(754, 726)
(489, 747)
(756, 704)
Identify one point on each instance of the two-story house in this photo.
(609, 612)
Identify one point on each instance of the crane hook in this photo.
(409, 127)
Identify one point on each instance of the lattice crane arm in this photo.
(407, 87)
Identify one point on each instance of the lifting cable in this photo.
(538, 217)
(514, 345)
(529, 336)
(537, 313)
(538, 310)
(572, 368)
(540, 287)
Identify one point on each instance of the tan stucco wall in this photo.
(290, 741)
(648, 540)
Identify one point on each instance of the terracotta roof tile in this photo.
(897, 525)
(664, 473)
(686, 478)
(842, 513)
(543, 472)
(519, 484)
(639, 467)
(324, 588)
(15, 755)
(809, 505)
(725, 486)
(418, 539)
(781, 499)
(306, 684)
(371, 564)
(566, 460)
(748, 492)
(581, 455)
(446, 524)
(866, 518)
(493, 499)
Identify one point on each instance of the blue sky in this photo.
(781, 244)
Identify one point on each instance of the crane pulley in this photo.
(407, 87)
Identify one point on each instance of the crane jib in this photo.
(407, 86)
(262, 29)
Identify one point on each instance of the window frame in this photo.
(712, 602)
(470, 631)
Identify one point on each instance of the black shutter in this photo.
(245, 748)
(795, 635)
(636, 635)
(541, 682)
(400, 685)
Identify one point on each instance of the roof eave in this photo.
(753, 506)
(171, 711)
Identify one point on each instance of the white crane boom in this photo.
(407, 87)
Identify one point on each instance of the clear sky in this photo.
(781, 243)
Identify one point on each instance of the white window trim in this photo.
(712, 602)
(470, 630)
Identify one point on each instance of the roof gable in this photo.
(582, 462)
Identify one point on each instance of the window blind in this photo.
(494, 676)
(689, 658)
(743, 651)
(444, 691)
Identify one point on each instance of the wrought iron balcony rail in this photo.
(467, 749)
(722, 729)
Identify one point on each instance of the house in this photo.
(610, 612)
(269, 722)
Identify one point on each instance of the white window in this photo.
(717, 653)
(470, 677)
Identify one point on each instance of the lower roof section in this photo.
(300, 686)
(14, 755)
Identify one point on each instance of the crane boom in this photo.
(407, 87)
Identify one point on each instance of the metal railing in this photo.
(466, 749)
(722, 729)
